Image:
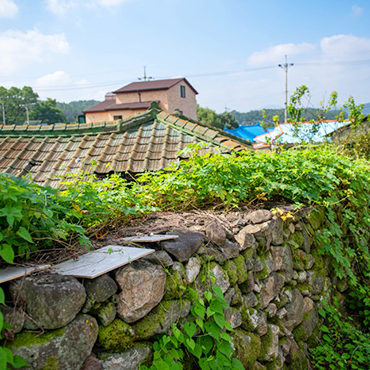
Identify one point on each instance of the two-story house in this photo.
(136, 98)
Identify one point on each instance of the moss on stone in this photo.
(174, 280)
(314, 339)
(296, 239)
(319, 260)
(247, 314)
(51, 364)
(116, 337)
(304, 287)
(241, 268)
(30, 339)
(300, 333)
(246, 351)
(162, 316)
(237, 297)
(248, 254)
(231, 270)
(266, 342)
(316, 217)
(262, 274)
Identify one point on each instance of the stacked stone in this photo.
(269, 270)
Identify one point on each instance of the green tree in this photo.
(211, 118)
(74, 108)
(48, 112)
(15, 103)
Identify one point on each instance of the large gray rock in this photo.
(192, 269)
(127, 360)
(230, 249)
(233, 317)
(142, 285)
(294, 315)
(101, 288)
(283, 261)
(13, 316)
(257, 217)
(216, 233)
(310, 320)
(270, 288)
(221, 277)
(245, 238)
(91, 363)
(159, 258)
(185, 246)
(52, 301)
(65, 348)
(161, 318)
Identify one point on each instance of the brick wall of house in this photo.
(187, 105)
(109, 116)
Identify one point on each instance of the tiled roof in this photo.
(107, 105)
(152, 85)
(149, 141)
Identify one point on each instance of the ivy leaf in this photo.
(23, 233)
(206, 343)
(2, 296)
(7, 253)
(213, 329)
(225, 348)
(218, 291)
(216, 306)
(220, 320)
(190, 329)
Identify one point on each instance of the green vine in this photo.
(206, 339)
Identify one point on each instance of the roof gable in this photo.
(152, 85)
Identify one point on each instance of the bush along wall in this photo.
(236, 290)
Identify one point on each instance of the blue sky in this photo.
(228, 50)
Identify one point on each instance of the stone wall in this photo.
(269, 269)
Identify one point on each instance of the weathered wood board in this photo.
(101, 261)
(15, 272)
(149, 238)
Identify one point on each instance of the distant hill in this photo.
(254, 116)
(366, 109)
(74, 108)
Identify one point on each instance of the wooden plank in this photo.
(15, 272)
(149, 238)
(101, 261)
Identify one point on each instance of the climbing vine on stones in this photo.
(207, 338)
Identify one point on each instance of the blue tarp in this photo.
(248, 132)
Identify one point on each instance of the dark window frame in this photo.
(182, 91)
(115, 118)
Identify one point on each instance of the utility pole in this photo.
(3, 105)
(285, 67)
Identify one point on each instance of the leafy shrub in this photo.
(32, 217)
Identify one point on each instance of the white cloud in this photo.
(60, 7)
(109, 3)
(275, 54)
(8, 9)
(344, 46)
(357, 11)
(58, 78)
(19, 49)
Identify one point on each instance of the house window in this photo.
(182, 91)
(117, 117)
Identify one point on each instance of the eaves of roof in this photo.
(147, 142)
